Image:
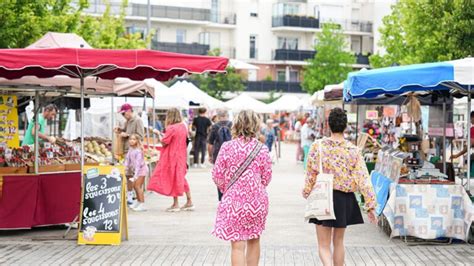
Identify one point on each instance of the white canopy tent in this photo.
(243, 101)
(287, 103)
(185, 92)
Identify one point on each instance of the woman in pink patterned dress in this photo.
(243, 210)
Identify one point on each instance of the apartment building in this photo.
(275, 35)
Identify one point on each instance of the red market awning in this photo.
(106, 64)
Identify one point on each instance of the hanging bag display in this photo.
(320, 203)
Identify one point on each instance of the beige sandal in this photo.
(187, 208)
(173, 209)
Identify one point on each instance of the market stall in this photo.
(50, 206)
(416, 198)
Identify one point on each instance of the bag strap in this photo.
(320, 156)
(253, 154)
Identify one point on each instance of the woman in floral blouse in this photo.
(344, 160)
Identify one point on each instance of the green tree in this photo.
(216, 84)
(331, 64)
(108, 31)
(426, 31)
(25, 21)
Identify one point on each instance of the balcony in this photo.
(295, 21)
(293, 55)
(277, 86)
(351, 25)
(183, 13)
(362, 59)
(183, 48)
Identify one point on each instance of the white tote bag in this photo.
(320, 201)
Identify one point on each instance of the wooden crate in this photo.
(13, 170)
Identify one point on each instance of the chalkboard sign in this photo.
(103, 210)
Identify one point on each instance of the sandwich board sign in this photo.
(103, 206)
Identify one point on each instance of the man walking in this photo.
(220, 133)
(201, 124)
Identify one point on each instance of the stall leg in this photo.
(112, 119)
(37, 109)
(469, 141)
(82, 127)
(444, 135)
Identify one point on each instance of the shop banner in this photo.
(9, 121)
(103, 210)
(372, 114)
(389, 111)
(381, 186)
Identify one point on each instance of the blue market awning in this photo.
(420, 77)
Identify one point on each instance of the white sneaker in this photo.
(195, 165)
(134, 204)
(202, 166)
(130, 197)
(140, 207)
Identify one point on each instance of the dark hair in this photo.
(472, 114)
(50, 107)
(337, 120)
(202, 110)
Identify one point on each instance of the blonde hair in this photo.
(173, 116)
(139, 140)
(246, 124)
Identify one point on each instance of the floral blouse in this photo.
(345, 162)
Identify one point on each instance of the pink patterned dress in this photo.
(243, 210)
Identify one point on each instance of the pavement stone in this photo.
(161, 238)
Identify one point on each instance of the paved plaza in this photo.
(160, 238)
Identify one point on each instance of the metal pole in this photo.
(82, 125)
(469, 140)
(112, 114)
(357, 124)
(444, 135)
(148, 21)
(153, 120)
(148, 128)
(36, 114)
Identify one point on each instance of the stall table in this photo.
(429, 211)
(29, 200)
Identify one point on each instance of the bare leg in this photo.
(175, 203)
(253, 252)
(189, 201)
(338, 242)
(238, 253)
(324, 235)
(138, 186)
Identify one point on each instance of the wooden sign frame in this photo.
(102, 237)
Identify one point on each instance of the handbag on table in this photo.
(320, 203)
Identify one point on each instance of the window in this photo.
(204, 38)
(180, 36)
(254, 8)
(294, 76)
(282, 9)
(156, 36)
(281, 75)
(316, 11)
(288, 43)
(253, 46)
(215, 11)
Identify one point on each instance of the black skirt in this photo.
(346, 209)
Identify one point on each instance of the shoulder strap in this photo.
(320, 156)
(245, 165)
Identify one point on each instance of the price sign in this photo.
(9, 121)
(103, 212)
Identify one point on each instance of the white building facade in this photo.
(275, 35)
